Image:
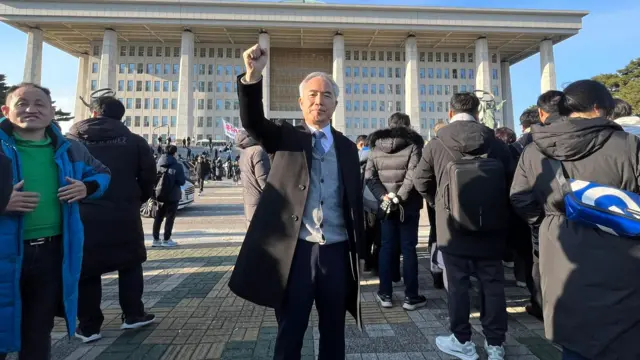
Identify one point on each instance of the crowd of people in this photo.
(321, 210)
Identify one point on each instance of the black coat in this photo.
(395, 153)
(6, 181)
(203, 168)
(468, 137)
(262, 268)
(590, 289)
(114, 237)
(170, 164)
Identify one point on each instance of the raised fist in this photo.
(255, 60)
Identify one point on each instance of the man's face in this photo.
(318, 102)
(29, 108)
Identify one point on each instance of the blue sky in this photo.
(608, 41)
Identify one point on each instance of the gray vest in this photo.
(323, 218)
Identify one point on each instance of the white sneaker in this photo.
(508, 264)
(450, 345)
(87, 339)
(494, 352)
(169, 243)
(521, 284)
(156, 243)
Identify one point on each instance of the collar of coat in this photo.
(6, 133)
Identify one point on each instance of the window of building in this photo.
(431, 106)
(227, 87)
(149, 68)
(165, 86)
(438, 89)
(398, 105)
(356, 55)
(219, 87)
(229, 53)
(138, 85)
(210, 86)
(469, 57)
(390, 89)
(381, 72)
(129, 85)
(174, 86)
(494, 58)
(145, 121)
(463, 88)
(158, 51)
(365, 88)
(447, 89)
(398, 89)
(381, 108)
(146, 103)
(374, 89)
(454, 57)
(423, 89)
(158, 69)
(470, 74)
(423, 123)
(201, 69)
(347, 123)
(94, 68)
(174, 104)
(356, 88)
(494, 90)
(365, 55)
(463, 73)
(209, 104)
(365, 123)
(132, 68)
(96, 50)
(423, 73)
(129, 103)
(165, 104)
(356, 105)
(422, 56)
(174, 121)
(201, 86)
(439, 107)
(438, 73)
(374, 105)
(494, 74)
(356, 123)
(227, 104)
(423, 106)
(156, 103)
(200, 104)
(120, 85)
(398, 73)
(430, 56)
(94, 84)
(372, 71)
(228, 70)
(446, 73)
(127, 121)
(123, 51)
(238, 54)
(430, 73)
(397, 56)
(347, 71)
(347, 105)
(431, 89)
(365, 71)
(347, 55)
(438, 57)
(446, 57)
(156, 86)
(219, 104)
(147, 85)
(381, 89)
(454, 73)
(150, 51)
(365, 105)
(156, 121)
(122, 68)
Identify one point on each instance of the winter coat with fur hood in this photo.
(395, 153)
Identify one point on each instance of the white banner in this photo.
(230, 130)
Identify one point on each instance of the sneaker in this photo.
(450, 345)
(156, 243)
(385, 300)
(87, 338)
(169, 243)
(521, 284)
(508, 264)
(138, 322)
(494, 352)
(535, 311)
(414, 302)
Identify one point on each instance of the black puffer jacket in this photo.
(473, 138)
(590, 289)
(254, 169)
(113, 229)
(395, 152)
(169, 163)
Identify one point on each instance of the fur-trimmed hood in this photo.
(392, 140)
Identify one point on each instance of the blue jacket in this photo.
(73, 160)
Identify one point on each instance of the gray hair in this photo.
(324, 76)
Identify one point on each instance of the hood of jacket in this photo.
(96, 129)
(243, 140)
(467, 137)
(573, 138)
(166, 161)
(393, 140)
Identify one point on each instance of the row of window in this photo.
(355, 123)
(173, 69)
(173, 86)
(155, 104)
(397, 89)
(423, 73)
(155, 121)
(430, 56)
(168, 51)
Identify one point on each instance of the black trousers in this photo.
(493, 307)
(201, 183)
(168, 210)
(372, 236)
(318, 272)
(130, 288)
(41, 291)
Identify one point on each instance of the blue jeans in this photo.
(392, 232)
(571, 355)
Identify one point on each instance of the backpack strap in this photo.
(446, 148)
(558, 169)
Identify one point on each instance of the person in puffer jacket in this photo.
(254, 169)
(395, 152)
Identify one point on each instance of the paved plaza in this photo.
(199, 318)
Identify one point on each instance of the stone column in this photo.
(265, 42)
(107, 76)
(33, 60)
(505, 84)
(185, 88)
(338, 77)
(547, 66)
(483, 65)
(411, 95)
(81, 111)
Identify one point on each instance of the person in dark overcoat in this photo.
(114, 238)
(305, 241)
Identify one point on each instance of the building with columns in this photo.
(174, 64)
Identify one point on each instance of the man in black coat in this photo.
(168, 208)
(466, 253)
(203, 169)
(306, 237)
(114, 238)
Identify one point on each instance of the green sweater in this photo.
(40, 175)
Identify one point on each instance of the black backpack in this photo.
(164, 185)
(476, 195)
